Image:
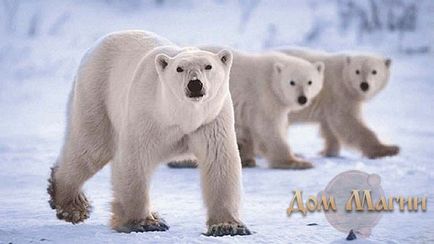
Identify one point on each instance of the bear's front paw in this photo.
(73, 206)
(183, 164)
(292, 164)
(382, 151)
(75, 210)
(225, 229)
(151, 223)
(248, 163)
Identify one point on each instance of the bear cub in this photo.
(349, 81)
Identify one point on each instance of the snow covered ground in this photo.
(36, 73)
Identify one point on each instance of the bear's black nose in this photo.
(302, 100)
(364, 86)
(195, 88)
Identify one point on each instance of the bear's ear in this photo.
(225, 56)
(278, 67)
(348, 59)
(161, 62)
(319, 66)
(388, 62)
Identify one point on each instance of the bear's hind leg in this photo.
(277, 151)
(354, 132)
(246, 148)
(332, 145)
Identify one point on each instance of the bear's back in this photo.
(132, 41)
(108, 69)
(308, 54)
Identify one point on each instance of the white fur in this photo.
(261, 89)
(338, 106)
(129, 106)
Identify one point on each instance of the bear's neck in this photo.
(188, 116)
(271, 97)
(336, 88)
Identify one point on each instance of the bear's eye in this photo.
(179, 69)
(208, 67)
(358, 72)
(374, 72)
(309, 82)
(292, 83)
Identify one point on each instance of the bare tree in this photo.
(375, 15)
(247, 8)
(385, 16)
(59, 23)
(33, 26)
(270, 39)
(11, 9)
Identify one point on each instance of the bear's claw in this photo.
(383, 151)
(152, 223)
(182, 164)
(73, 215)
(293, 164)
(225, 229)
(74, 210)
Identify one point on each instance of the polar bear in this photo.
(349, 81)
(138, 100)
(265, 87)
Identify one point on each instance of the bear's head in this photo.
(194, 75)
(296, 81)
(365, 75)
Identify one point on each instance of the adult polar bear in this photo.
(138, 100)
(349, 80)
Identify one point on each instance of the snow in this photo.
(37, 70)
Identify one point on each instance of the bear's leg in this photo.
(355, 133)
(274, 146)
(68, 200)
(76, 165)
(246, 148)
(332, 145)
(87, 149)
(131, 175)
(279, 156)
(215, 147)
